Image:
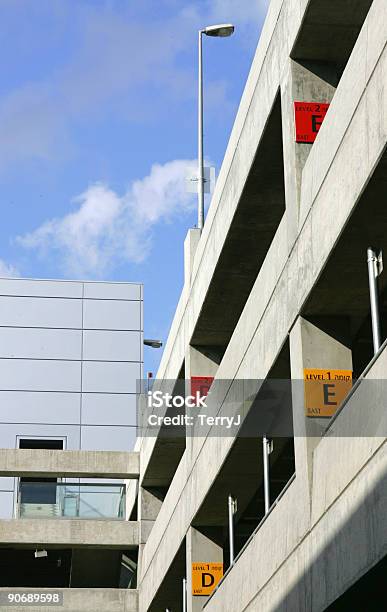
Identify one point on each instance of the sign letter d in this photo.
(205, 578)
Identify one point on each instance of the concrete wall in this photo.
(284, 562)
(44, 463)
(347, 496)
(69, 532)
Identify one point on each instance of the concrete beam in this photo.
(39, 463)
(86, 600)
(71, 533)
(150, 502)
(190, 245)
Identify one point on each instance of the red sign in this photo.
(309, 117)
(201, 385)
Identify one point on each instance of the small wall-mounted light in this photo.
(38, 554)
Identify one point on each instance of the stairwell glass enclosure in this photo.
(71, 500)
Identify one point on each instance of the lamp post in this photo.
(223, 30)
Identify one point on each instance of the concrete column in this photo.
(310, 347)
(199, 364)
(190, 245)
(196, 364)
(149, 504)
(200, 549)
(309, 82)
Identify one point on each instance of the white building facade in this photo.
(70, 356)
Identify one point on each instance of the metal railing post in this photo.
(267, 449)
(374, 264)
(184, 595)
(18, 499)
(232, 505)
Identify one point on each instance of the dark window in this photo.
(38, 490)
(37, 443)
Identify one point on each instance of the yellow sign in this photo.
(325, 391)
(205, 577)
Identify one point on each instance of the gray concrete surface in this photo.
(41, 463)
(200, 548)
(69, 532)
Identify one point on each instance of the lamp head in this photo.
(221, 30)
(153, 343)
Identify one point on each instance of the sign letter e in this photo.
(328, 394)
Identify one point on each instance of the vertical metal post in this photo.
(149, 379)
(373, 273)
(200, 137)
(184, 595)
(267, 448)
(231, 512)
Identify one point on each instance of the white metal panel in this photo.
(40, 312)
(6, 504)
(112, 291)
(112, 345)
(112, 314)
(40, 288)
(110, 377)
(37, 407)
(108, 409)
(11, 432)
(7, 483)
(40, 375)
(108, 438)
(38, 343)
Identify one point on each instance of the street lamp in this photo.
(153, 343)
(222, 30)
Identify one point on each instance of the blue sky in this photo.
(98, 131)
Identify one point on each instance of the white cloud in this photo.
(8, 270)
(107, 228)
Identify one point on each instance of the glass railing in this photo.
(71, 500)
